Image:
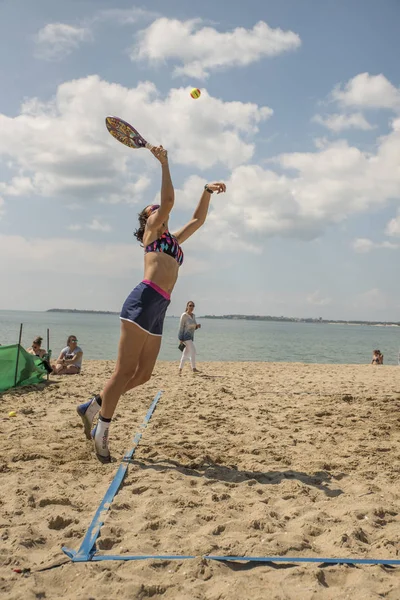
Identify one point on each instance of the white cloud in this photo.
(60, 149)
(189, 195)
(18, 186)
(369, 91)
(96, 225)
(315, 299)
(124, 16)
(362, 91)
(137, 188)
(217, 234)
(314, 190)
(393, 227)
(202, 49)
(43, 255)
(262, 202)
(57, 40)
(365, 245)
(341, 180)
(341, 122)
(56, 153)
(1, 206)
(36, 255)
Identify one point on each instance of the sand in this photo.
(254, 459)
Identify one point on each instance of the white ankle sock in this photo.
(93, 409)
(101, 437)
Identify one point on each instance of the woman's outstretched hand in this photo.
(161, 154)
(218, 187)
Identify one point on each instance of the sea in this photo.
(217, 340)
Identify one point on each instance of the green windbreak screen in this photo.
(29, 371)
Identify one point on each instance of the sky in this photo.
(299, 115)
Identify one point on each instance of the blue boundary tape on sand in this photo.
(305, 559)
(87, 549)
(98, 557)
(257, 559)
(243, 559)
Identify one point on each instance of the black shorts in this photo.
(146, 306)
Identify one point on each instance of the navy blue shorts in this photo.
(146, 306)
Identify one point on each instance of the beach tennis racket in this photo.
(125, 133)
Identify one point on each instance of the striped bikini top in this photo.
(168, 244)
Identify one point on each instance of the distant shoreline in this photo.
(303, 320)
(246, 318)
(85, 312)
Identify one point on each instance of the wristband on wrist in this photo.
(208, 189)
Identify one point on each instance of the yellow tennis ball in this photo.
(12, 413)
(195, 93)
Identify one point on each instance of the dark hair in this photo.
(38, 340)
(142, 216)
(69, 339)
(189, 302)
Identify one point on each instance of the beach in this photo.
(246, 459)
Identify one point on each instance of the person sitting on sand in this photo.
(377, 358)
(37, 350)
(70, 360)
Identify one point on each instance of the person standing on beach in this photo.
(143, 312)
(187, 327)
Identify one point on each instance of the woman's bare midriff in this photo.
(161, 269)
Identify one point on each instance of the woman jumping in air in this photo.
(143, 312)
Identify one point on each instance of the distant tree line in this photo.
(298, 320)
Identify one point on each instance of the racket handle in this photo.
(149, 146)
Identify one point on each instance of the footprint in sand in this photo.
(218, 530)
(107, 543)
(153, 526)
(150, 591)
(59, 522)
(54, 501)
(140, 489)
(32, 541)
(257, 524)
(110, 536)
(121, 506)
